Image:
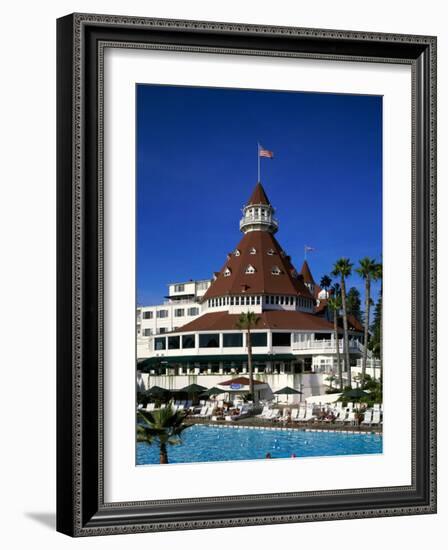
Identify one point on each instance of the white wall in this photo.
(28, 268)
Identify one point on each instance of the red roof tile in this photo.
(306, 273)
(270, 319)
(259, 196)
(354, 324)
(288, 282)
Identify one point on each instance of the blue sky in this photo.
(197, 166)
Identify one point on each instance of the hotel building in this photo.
(193, 336)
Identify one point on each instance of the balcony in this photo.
(326, 346)
(259, 219)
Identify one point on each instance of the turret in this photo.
(258, 214)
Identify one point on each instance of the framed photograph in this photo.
(246, 274)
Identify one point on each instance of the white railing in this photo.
(326, 345)
(174, 302)
(258, 219)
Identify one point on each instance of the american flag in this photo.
(265, 153)
(309, 248)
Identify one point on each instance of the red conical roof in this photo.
(306, 274)
(261, 251)
(258, 196)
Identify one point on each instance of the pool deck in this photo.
(316, 426)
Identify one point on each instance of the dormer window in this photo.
(294, 273)
(253, 251)
(227, 272)
(250, 269)
(237, 252)
(275, 270)
(271, 252)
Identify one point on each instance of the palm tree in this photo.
(343, 269)
(248, 321)
(378, 320)
(368, 270)
(163, 425)
(335, 304)
(336, 289)
(325, 284)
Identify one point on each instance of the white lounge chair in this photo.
(294, 414)
(202, 412)
(264, 412)
(376, 418)
(342, 417)
(367, 418)
(301, 413)
(351, 417)
(309, 415)
(150, 407)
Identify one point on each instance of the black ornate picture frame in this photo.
(81, 509)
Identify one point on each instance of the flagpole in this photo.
(258, 157)
(305, 252)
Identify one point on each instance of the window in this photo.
(275, 270)
(233, 340)
(173, 342)
(250, 269)
(277, 300)
(147, 332)
(188, 341)
(237, 300)
(271, 252)
(159, 344)
(282, 300)
(232, 300)
(162, 313)
(294, 273)
(252, 300)
(162, 330)
(237, 252)
(259, 339)
(253, 251)
(179, 288)
(148, 314)
(258, 300)
(281, 339)
(193, 311)
(202, 285)
(227, 272)
(209, 340)
(179, 312)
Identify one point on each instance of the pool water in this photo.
(209, 443)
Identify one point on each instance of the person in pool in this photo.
(268, 455)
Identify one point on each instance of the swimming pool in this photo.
(215, 443)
